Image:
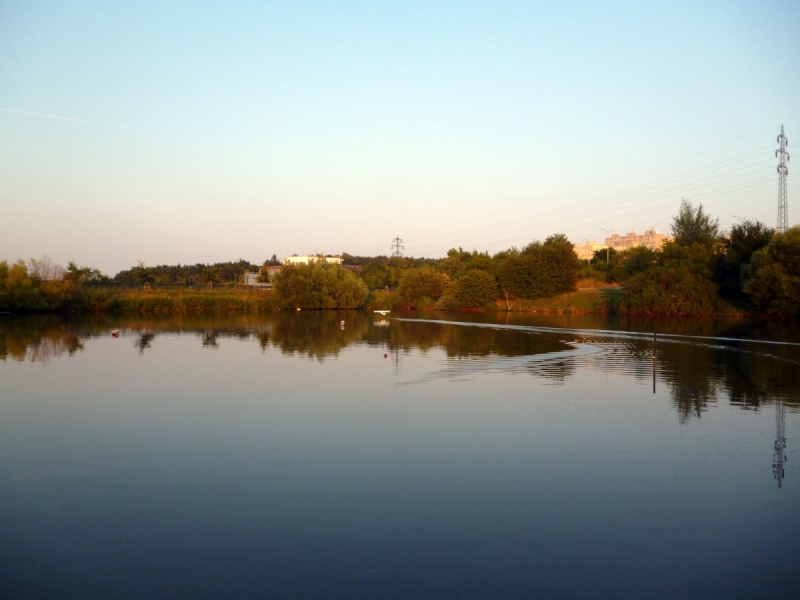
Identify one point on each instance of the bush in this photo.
(319, 285)
(23, 291)
(421, 287)
(775, 283)
(731, 265)
(540, 270)
(670, 291)
(474, 289)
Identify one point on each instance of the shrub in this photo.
(474, 289)
(421, 287)
(319, 285)
(670, 291)
(775, 283)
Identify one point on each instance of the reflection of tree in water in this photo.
(763, 375)
(143, 341)
(477, 342)
(749, 374)
(317, 334)
(697, 372)
(689, 379)
(210, 339)
(405, 335)
(263, 337)
(37, 338)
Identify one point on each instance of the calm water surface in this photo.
(452, 456)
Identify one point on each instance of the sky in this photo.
(201, 132)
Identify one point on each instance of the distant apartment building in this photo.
(307, 260)
(649, 239)
(586, 250)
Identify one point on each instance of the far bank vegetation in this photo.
(750, 269)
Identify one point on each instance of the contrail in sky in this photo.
(35, 114)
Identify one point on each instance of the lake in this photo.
(448, 455)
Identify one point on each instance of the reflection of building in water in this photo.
(780, 443)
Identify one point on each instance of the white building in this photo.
(307, 260)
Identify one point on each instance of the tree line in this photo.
(198, 274)
(701, 271)
(705, 270)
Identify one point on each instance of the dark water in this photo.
(287, 457)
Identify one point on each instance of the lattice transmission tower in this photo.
(783, 217)
(397, 247)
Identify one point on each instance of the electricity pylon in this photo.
(783, 217)
(397, 247)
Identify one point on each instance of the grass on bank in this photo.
(584, 300)
(238, 300)
(178, 301)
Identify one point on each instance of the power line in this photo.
(657, 201)
(634, 191)
(708, 181)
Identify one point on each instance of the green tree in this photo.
(540, 270)
(632, 261)
(454, 263)
(141, 274)
(680, 284)
(211, 274)
(76, 274)
(481, 261)
(420, 287)
(731, 265)
(265, 275)
(669, 291)
(319, 285)
(476, 288)
(378, 274)
(694, 226)
(774, 286)
(562, 263)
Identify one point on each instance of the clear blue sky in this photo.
(202, 132)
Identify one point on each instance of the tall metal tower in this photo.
(783, 218)
(397, 247)
(779, 457)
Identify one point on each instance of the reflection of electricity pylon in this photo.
(780, 443)
(396, 364)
